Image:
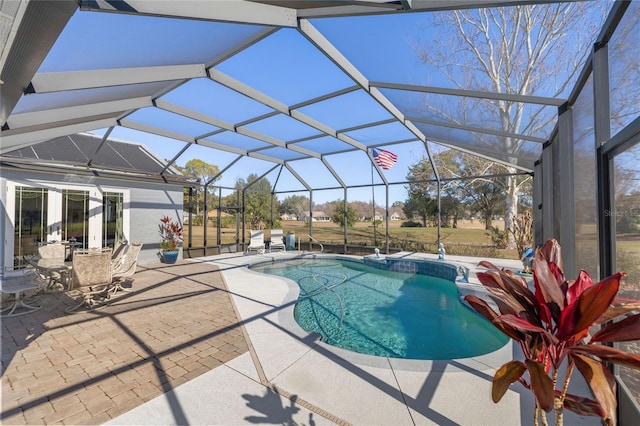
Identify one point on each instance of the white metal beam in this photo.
(245, 12)
(332, 53)
(185, 112)
(39, 27)
(74, 80)
(476, 129)
(55, 115)
(541, 100)
(222, 147)
(482, 153)
(297, 176)
(156, 131)
(195, 115)
(266, 158)
(254, 94)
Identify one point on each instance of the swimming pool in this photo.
(384, 313)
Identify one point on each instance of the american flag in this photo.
(384, 158)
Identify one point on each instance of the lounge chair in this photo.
(257, 242)
(277, 240)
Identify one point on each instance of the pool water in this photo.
(391, 314)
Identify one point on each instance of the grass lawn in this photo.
(466, 237)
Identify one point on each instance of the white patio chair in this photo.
(277, 240)
(48, 263)
(126, 268)
(91, 275)
(257, 242)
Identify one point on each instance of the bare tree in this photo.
(508, 50)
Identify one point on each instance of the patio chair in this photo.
(126, 268)
(118, 253)
(49, 255)
(257, 242)
(277, 240)
(91, 276)
(55, 251)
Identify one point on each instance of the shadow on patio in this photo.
(177, 324)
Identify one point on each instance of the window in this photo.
(112, 218)
(30, 222)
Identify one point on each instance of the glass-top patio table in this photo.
(55, 270)
(14, 286)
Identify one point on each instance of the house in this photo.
(85, 189)
(315, 216)
(287, 216)
(396, 215)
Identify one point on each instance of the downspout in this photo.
(386, 242)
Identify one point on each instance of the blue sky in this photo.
(283, 66)
(285, 76)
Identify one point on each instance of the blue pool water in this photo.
(392, 314)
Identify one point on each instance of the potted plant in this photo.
(171, 234)
(552, 325)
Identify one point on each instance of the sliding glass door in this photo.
(83, 217)
(112, 218)
(75, 217)
(30, 215)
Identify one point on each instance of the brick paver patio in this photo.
(87, 368)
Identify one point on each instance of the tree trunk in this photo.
(488, 222)
(511, 208)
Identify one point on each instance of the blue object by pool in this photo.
(375, 312)
(290, 242)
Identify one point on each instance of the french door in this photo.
(84, 216)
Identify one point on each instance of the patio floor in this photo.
(87, 368)
(208, 341)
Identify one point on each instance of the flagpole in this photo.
(373, 199)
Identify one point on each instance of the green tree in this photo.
(507, 50)
(258, 201)
(451, 208)
(420, 205)
(201, 172)
(339, 217)
(422, 190)
(295, 205)
(468, 181)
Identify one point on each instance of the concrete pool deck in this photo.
(289, 377)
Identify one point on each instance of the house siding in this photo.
(148, 202)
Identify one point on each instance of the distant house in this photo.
(287, 216)
(80, 188)
(395, 216)
(315, 216)
(380, 215)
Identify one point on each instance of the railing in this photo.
(311, 241)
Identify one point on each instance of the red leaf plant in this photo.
(171, 234)
(552, 327)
